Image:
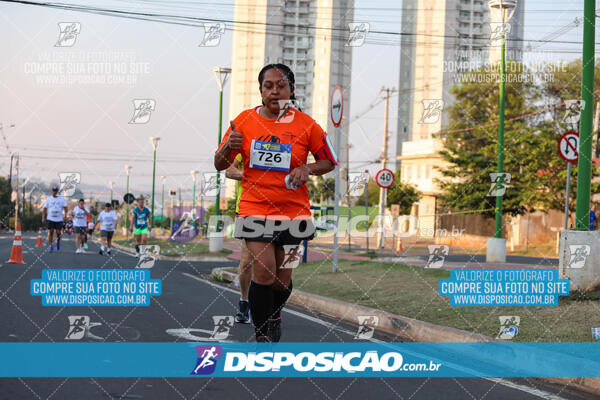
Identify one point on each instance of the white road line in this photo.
(529, 390)
(293, 312)
(532, 391)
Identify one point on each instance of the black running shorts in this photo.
(278, 232)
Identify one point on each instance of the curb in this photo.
(165, 258)
(403, 327)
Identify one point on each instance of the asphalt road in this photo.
(189, 301)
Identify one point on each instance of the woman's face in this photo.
(275, 87)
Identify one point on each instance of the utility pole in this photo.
(348, 193)
(17, 192)
(384, 160)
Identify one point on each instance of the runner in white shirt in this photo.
(80, 213)
(55, 212)
(107, 221)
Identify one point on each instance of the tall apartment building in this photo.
(443, 39)
(310, 37)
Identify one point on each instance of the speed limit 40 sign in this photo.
(384, 178)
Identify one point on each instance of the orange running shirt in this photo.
(264, 192)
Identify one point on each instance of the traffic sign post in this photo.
(128, 198)
(384, 179)
(568, 149)
(336, 112)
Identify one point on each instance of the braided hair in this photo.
(288, 74)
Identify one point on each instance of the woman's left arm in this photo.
(299, 176)
(320, 167)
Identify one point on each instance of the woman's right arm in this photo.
(224, 155)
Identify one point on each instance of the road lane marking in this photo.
(529, 390)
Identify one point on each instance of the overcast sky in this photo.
(85, 127)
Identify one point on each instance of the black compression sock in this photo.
(137, 248)
(261, 304)
(279, 299)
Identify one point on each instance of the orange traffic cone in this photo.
(16, 254)
(40, 241)
(398, 245)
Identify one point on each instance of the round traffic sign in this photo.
(129, 198)
(336, 106)
(568, 146)
(385, 178)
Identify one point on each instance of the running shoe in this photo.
(85, 246)
(274, 330)
(137, 255)
(57, 245)
(101, 252)
(108, 252)
(78, 251)
(243, 315)
(51, 249)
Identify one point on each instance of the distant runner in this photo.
(55, 212)
(140, 225)
(107, 221)
(80, 214)
(245, 267)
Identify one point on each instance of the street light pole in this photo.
(584, 164)
(127, 171)
(111, 183)
(501, 6)
(221, 73)
(154, 141)
(162, 204)
(194, 175)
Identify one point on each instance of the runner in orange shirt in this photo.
(274, 140)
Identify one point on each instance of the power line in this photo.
(149, 16)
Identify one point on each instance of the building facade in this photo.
(309, 36)
(443, 40)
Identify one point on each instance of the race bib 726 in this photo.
(270, 156)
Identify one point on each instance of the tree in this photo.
(403, 194)
(313, 193)
(530, 156)
(326, 189)
(400, 193)
(6, 205)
